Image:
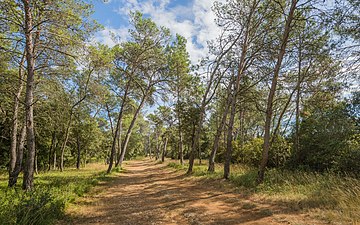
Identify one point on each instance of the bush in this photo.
(251, 152)
(46, 203)
(327, 140)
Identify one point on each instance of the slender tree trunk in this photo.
(54, 159)
(36, 164)
(297, 102)
(192, 151)
(181, 153)
(67, 131)
(52, 148)
(164, 150)
(233, 99)
(14, 130)
(78, 159)
(28, 179)
(181, 150)
(157, 146)
(118, 130)
(62, 151)
(128, 133)
(269, 108)
(19, 157)
(219, 130)
(205, 101)
(229, 139)
(119, 146)
(113, 146)
(149, 145)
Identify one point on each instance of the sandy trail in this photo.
(149, 193)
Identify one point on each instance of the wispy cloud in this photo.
(194, 21)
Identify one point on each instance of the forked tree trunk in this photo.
(269, 108)
(14, 130)
(128, 133)
(19, 157)
(116, 138)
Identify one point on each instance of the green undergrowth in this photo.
(331, 196)
(53, 191)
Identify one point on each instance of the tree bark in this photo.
(67, 131)
(233, 98)
(269, 108)
(297, 102)
(19, 157)
(54, 159)
(217, 137)
(78, 158)
(118, 130)
(128, 133)
(28, 179)
(193, 149)
(52, 148)
(14, 130)
(164, 150)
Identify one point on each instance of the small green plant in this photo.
(53, 191)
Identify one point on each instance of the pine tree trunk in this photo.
(36, 164)
(233, 98)
(19, 157)
(28, 179)
(192, 150)
(269, 108)
(78, 158)
(164, 150)
(128, 133)
(215, 147)
(52, 148)
(62, 151)
(116, 138)
(14, 130)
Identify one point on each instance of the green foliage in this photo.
(250, 152)
(327, 141)
(46, 203)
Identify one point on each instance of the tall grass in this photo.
(334, 197)
(53, 191)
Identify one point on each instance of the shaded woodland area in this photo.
(278, 90)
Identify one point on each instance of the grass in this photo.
(331, 196)
(53, 191)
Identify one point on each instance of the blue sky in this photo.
(193, 19)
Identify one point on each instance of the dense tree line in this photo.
(274, 91)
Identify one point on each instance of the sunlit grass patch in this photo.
(336, 197)
(53, 191)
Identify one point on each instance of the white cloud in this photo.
(195, 22)
(107, 35)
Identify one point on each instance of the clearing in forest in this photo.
(150, 193)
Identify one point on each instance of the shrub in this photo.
(251, 152)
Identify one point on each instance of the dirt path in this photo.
(150, 193)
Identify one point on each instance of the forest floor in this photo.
(152, 193)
